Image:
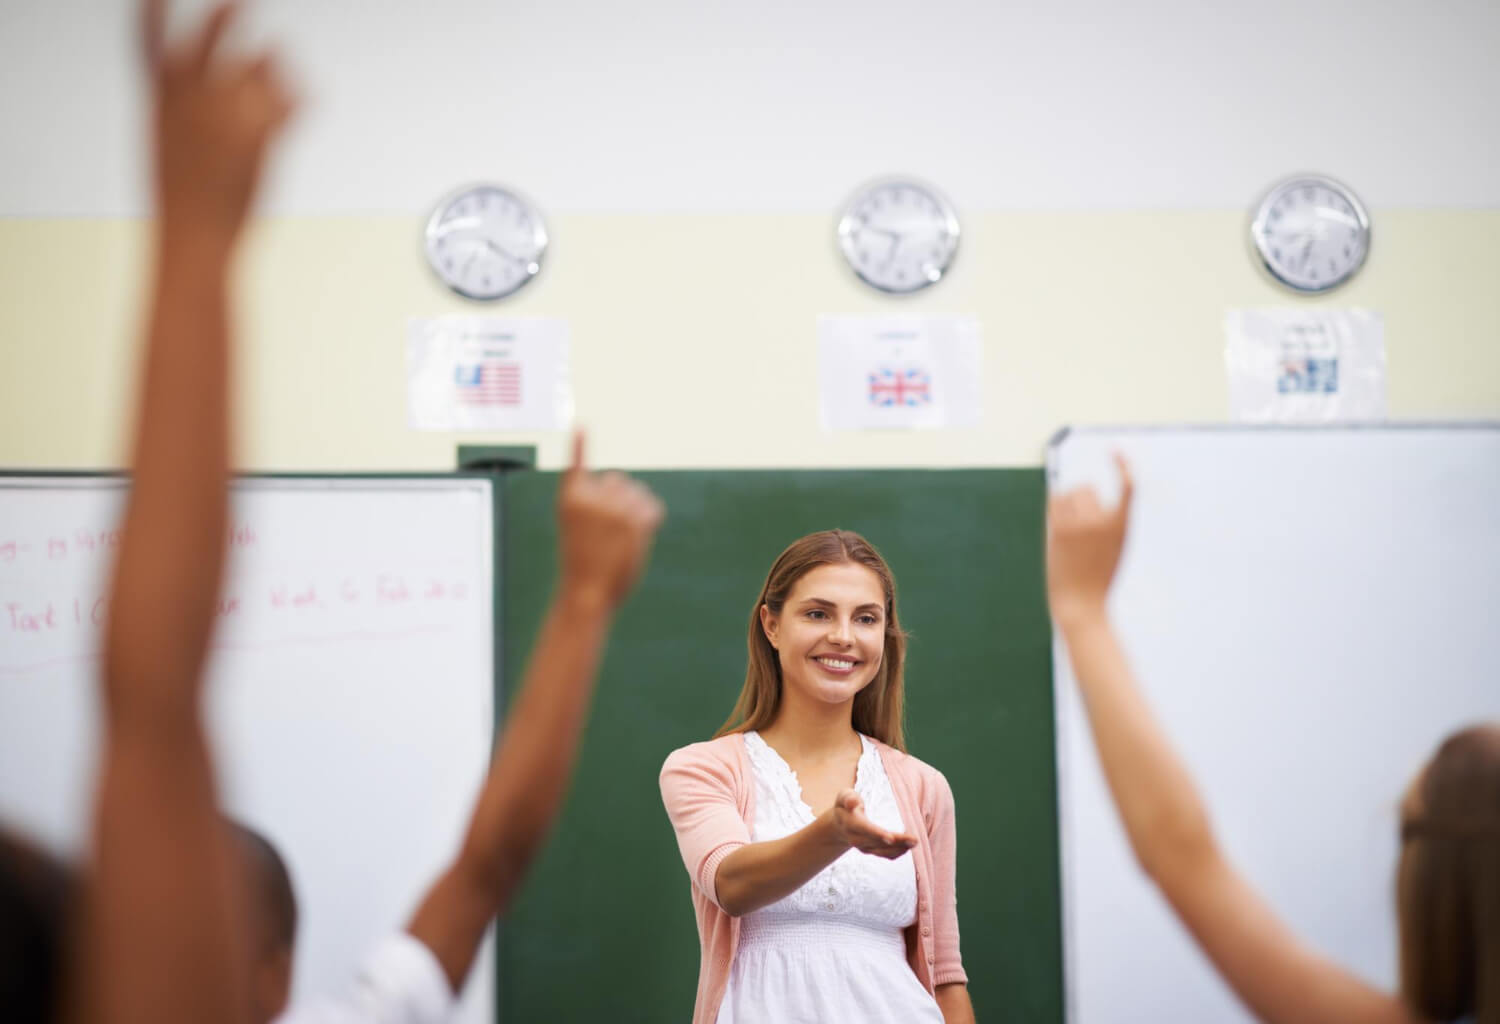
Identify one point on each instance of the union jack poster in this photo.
(911, 386)
(899, 372)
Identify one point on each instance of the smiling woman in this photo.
(821, 853)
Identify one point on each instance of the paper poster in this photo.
(488, 373)
(899, 372)
(1305, 366)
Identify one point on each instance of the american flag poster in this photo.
(488, 373)
(489, 380)
(899, 372)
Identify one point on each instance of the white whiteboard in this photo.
(350, 685)
(1309, 611)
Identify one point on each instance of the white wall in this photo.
(690, 158)
(784, 105)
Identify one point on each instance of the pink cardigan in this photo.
(710, 796)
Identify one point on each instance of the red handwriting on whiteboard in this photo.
(391, 590)
(8, 551)
(95, 615)
(302, 597)
(33, 620)
(349, 592)
(226, 606)
(242, 536)
(107, 539)
(438, 590)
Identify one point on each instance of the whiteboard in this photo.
(351, 685)
(1309, 611)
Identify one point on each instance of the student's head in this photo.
(1448, 881)
(825, 624)
(36, 907)
(273, 922)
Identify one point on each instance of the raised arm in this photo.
(1277, 977)
(162, 930)
(607, 524)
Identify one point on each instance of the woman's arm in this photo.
(941, 818)
(759, 874)
(1272, 972)
(698, 790)
(953, 1000)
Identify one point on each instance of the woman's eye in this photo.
(816, 613)
(868, 620)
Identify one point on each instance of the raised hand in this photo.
(213, 119)
(853, 826)
(1084, 541)
(608, 522)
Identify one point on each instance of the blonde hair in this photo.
(1448, 882)
(878, 708)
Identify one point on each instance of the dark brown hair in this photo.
(37, 900)
(878, 708)
(1448, 881)
(271, 887)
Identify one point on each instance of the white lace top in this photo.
(833, 951)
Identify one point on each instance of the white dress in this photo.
(833, 951)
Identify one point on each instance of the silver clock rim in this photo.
(950, 219)
(540, 236)
(1261, 211)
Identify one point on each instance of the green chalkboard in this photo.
(604, 928)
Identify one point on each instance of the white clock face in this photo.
(484, 242)
(898, 236)
(1312, 233)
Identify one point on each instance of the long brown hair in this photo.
(1448, 881)
(878, 708)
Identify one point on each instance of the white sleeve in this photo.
(400, 983)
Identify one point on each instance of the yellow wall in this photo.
(694, 337)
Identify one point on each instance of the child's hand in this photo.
(1084, 541)
(213, 118)
(608, 522)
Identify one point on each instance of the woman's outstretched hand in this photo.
(854, 827)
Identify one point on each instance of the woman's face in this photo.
(830, 634)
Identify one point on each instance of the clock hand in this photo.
(865, 225)
(501, 250)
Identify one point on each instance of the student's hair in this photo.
(1448, 881)
(37, 895)
(878, 708)
(276, 902)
